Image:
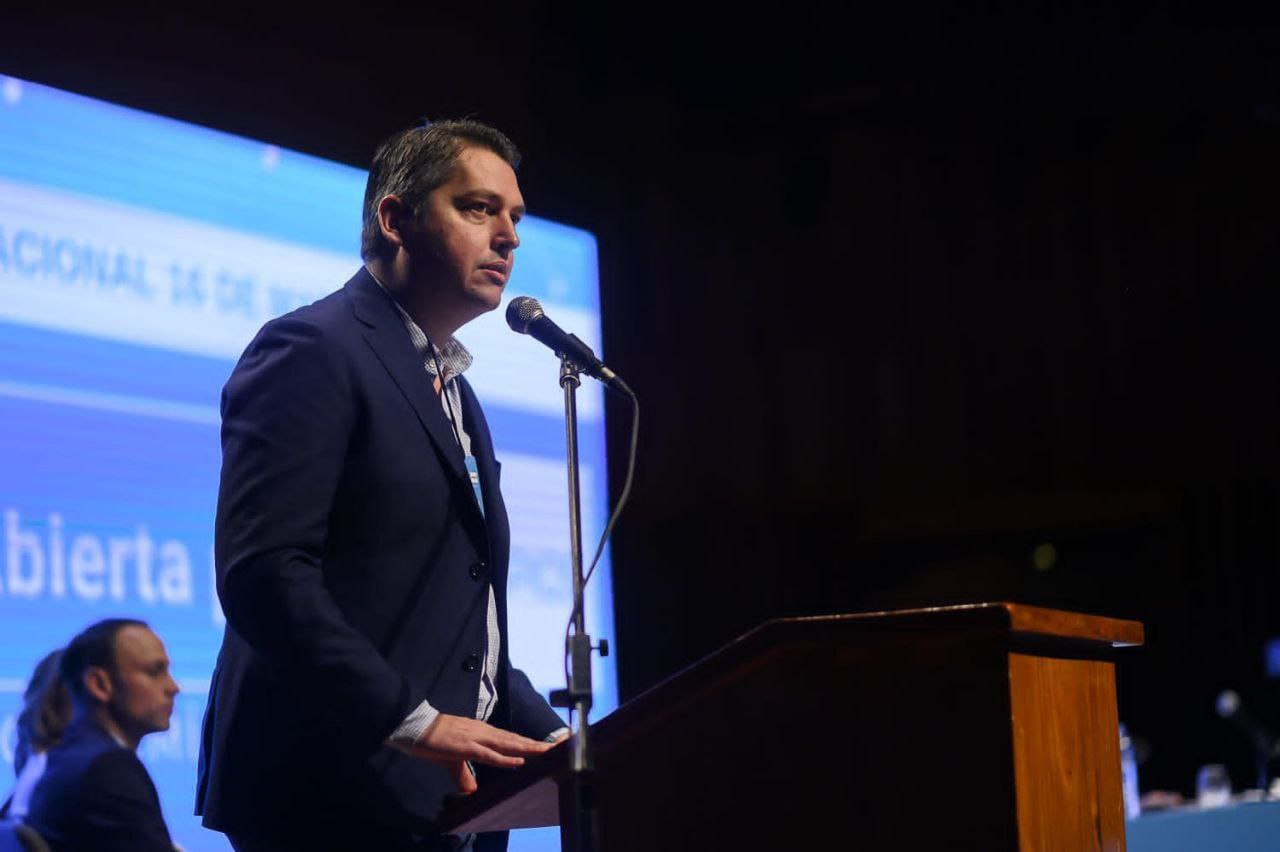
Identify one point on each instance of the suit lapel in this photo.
(495, 511)
(482, 449)
(386, 335)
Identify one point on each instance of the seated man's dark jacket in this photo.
(353, 566)
(95, 795)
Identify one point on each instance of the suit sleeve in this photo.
(121, 809)
(531, 715)
(287, 417)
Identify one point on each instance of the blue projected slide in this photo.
(138, 256)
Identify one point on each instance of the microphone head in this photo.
(1228, 703)
(521, 311)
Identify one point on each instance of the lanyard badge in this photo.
(473, 473)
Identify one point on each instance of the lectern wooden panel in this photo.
(986, 727)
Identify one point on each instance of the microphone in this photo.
(1229, 707)
(525, 316)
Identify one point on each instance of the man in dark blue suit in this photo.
(362, 541)
(95, 795)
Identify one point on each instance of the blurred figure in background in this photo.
(46, 712)
(95, 794)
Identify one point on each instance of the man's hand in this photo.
(453, 740)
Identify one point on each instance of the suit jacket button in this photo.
(476, 570)
(471, 663)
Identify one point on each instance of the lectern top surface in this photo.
(1017, 618)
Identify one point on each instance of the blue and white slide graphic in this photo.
(138, 256)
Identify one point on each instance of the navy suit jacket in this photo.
(95, 795)
(353, 566)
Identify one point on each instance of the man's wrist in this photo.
(413, 727)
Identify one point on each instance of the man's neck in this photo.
(435, 322)
(101, 716)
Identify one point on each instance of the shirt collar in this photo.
(454, 357)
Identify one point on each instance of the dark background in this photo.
(906, 292)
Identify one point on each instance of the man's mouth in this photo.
(499, 269)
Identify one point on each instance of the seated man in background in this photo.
(95, 793)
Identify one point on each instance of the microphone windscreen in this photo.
(1228, 703)
(521, 311)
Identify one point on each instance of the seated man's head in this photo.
(118, 672)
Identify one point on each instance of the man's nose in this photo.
(505, 236)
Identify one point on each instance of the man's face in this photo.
(142, 688)
(464, 242)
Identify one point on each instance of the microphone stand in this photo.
(579, 818)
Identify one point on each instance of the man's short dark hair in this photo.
(413, 162)
(93, 646)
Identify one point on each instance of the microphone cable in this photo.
(613, 519)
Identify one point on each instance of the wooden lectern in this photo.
(986, 727)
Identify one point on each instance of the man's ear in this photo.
(393, 217)
(97, 682)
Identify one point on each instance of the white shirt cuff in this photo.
(413, 727)
(555, 735)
